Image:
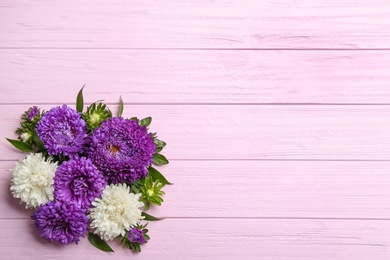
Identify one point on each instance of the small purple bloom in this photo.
(122, 150)
(78, 181)
(61, 222)
(62, 131)
(136, 236)
(32, 113)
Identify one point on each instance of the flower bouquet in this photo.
(88, 172)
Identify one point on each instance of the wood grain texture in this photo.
(178, 77)
(221, 239)
(345, 24)
(276, 115)
(255, 189)
(245, 132)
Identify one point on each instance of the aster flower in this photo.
(116, 212)
(62, 131)
(32, 113)
(136, 235)
(60, 221)
(122, 150)
(79, 181)
(26, 130)
(32, 180)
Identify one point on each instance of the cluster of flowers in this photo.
(88, 172)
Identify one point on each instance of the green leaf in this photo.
(137, 247)
(120, 110)
(134, 118)
(159, 159)
(135, 189)
(159, 143)
(136, 185)
(80, 101)
(150, 217)
(156, 175)
(97, 242)
(22, 146)
(145, 122)
(38, 142)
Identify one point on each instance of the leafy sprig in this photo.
(96, 113)
(151, 192)
(134, 246)
(28, 139)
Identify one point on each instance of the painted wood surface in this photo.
(268, 239)
(248, 132)
(197, 76)
(276, 114)
(347, 24)
(260, 189)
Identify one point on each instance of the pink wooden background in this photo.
(276, 114)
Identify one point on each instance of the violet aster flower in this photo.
(122, 150)
(32, 113)
(60, 221)
(78, 181)
(62, 131)
(136, 236)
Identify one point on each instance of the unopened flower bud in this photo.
(25, 137)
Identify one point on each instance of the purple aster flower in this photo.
(32, 113)
(122, 150)
(61, 222)
(62, 131)
(136, 236)
(78, 181)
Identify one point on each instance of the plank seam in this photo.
(194, 49)
(259, 160)
(209, 104)
(254, 218)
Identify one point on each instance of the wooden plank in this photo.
(293, 132)
(195, 24)
(220, 239)
(179, 77)
(259, 190)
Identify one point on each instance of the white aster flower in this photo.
(116, 212)
(32, 180)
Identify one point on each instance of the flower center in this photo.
(64, 136)
(94, 119)
(114, 149)
(79, 186)
(150, 192)
(40, 178)
(135, 237)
